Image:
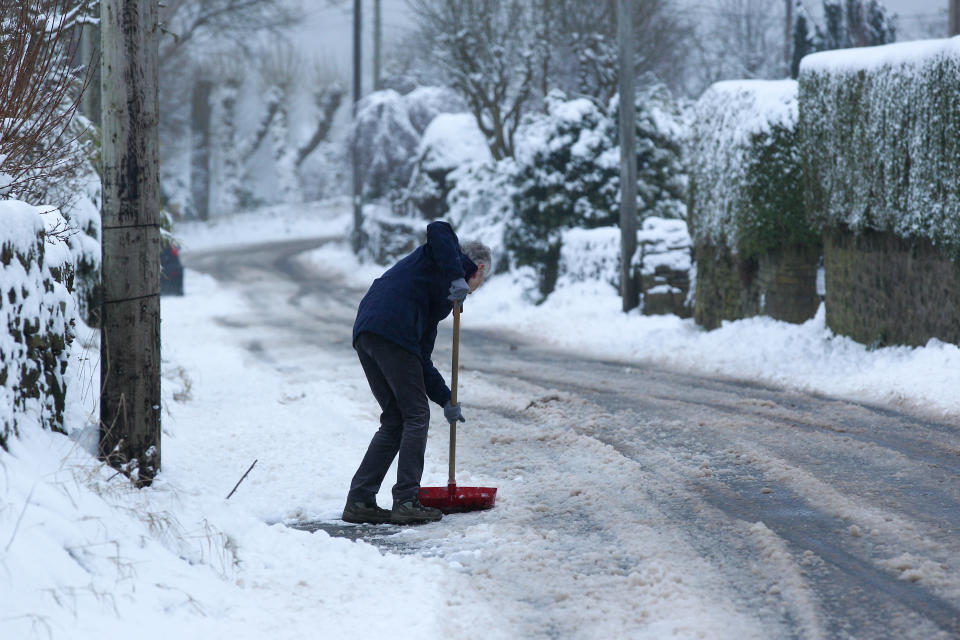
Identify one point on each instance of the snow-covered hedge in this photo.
(83, 241)
(387, 132)
(746, 188)
(590, 255)
(880, 132)
(37, 314)
(450, 141)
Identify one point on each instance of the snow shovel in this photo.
(451, 498)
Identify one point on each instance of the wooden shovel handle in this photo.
(453, 389)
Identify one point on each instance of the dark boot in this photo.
(365, 513)
(412, 512)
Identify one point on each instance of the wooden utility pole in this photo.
(788, 36)
(90, 55)
(377, 44)
(954, 17)
(357, 93)
(628, 156)
(130, 311)
(200, 114)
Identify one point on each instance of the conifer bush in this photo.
(568, 174)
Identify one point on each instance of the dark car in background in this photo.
(171, 269)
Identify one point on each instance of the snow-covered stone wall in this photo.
(37, 314)
(880, 132)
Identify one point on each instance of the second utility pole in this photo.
(357, 92)
(628, 156)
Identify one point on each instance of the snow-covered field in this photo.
(84, 556)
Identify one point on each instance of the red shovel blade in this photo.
(454, 499)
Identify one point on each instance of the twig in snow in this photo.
(20, 519)
(240, 480)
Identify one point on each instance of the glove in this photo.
(453, 413)
(458, 290)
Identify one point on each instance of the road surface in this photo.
(628, 490)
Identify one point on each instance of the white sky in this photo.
(327, 27)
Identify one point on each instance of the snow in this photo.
(452, 140)
(85, 556)
(664, 242)
(913, 53)
(585, 319)
(754, 105)
(19, 224)
(268, 224)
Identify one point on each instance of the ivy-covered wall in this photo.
(746, 210)
(37, 315)
(880, 135)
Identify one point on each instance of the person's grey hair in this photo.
(478, 252)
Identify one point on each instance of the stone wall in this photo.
(780, 284)
(727, 287)
(36, 326)
(883, 290)
(788, 284)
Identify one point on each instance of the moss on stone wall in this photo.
(726, 286)
(884, 290)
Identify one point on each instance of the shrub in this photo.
(568, 174)
(746, 188)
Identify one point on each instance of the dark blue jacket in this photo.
(406, 303)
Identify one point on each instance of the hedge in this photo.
(37, 314)
(746, 191)
(880, 135)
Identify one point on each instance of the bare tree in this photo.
(39, 95)
(582, 45)
(505, 56)
(481, 48)
(740, 39)
(189, 24)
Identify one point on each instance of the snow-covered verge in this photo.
(86, 556)
(37, 312)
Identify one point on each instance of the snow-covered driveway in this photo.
(633, 501)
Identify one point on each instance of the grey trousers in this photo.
(396, 380)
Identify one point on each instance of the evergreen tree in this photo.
(847, 23)
(879, 28)
(854, 32)
(803, 40)
(834, 34)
